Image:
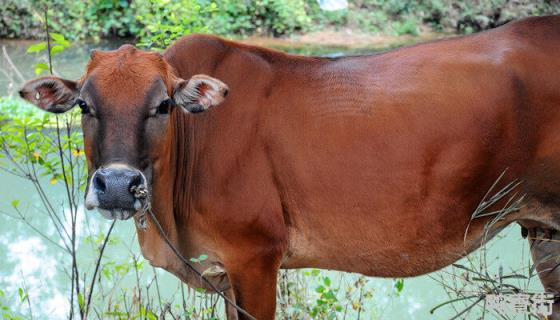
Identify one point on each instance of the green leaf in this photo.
(38, 47)
(59, 39)
(56, 49)
(399, 285)
(22, 295)
(15, 203)
(327, 281)
(40, 68)
(81, 302)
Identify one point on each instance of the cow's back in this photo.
(378, 160)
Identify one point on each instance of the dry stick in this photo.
(32, 175)
(12, 65)
(19, 175)
(126, 308)
(360, 299)
(26, 291)
(97, 265)
(70, 162)
(168, 310)
(73, 210)
(157, 286)
(468, 308)
(23, 218)
(214, 307)
(48, 39)
(183, 298)
(139, 298)
(9, 77)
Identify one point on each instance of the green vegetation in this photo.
(169, 19)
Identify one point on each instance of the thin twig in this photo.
(48, 39)
(97, 265)
(12, 65)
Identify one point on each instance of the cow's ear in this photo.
(51, 94)
(199, 93)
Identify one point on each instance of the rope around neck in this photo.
(141, 193)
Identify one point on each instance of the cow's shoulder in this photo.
(203, 43)
(203, 53)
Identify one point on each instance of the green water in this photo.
(28, 260)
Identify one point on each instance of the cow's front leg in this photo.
(231, 312)
(545, 250)
(254, 286)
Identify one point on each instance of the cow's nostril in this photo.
(99, 183)
(135, 181)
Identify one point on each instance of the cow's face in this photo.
(126, 97)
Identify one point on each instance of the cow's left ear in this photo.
(199, 93)
(51, 94)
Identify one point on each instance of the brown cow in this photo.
(371, 164)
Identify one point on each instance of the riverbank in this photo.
(346, 39)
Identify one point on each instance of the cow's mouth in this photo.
(120, 214)
(141, 204)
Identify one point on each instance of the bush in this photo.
(273, 17)
(157, 21)
(163, 21)
(74, 19)
(405, 27)
(17, 20)
(473, 16)
(125, 18)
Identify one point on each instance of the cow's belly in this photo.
(398, 212)
(394, 248)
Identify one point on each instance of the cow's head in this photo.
(126, 97)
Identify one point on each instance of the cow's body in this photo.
(370, 164)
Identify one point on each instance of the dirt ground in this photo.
(346, 38)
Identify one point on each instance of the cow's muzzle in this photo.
(111, 191)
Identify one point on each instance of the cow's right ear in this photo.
(199, 93)
(51, 94)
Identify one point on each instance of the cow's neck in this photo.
(168, 199)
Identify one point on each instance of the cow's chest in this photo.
(158, 252)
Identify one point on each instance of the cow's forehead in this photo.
(126, 74)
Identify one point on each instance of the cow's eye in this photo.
(83, 106)
(164, 106)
